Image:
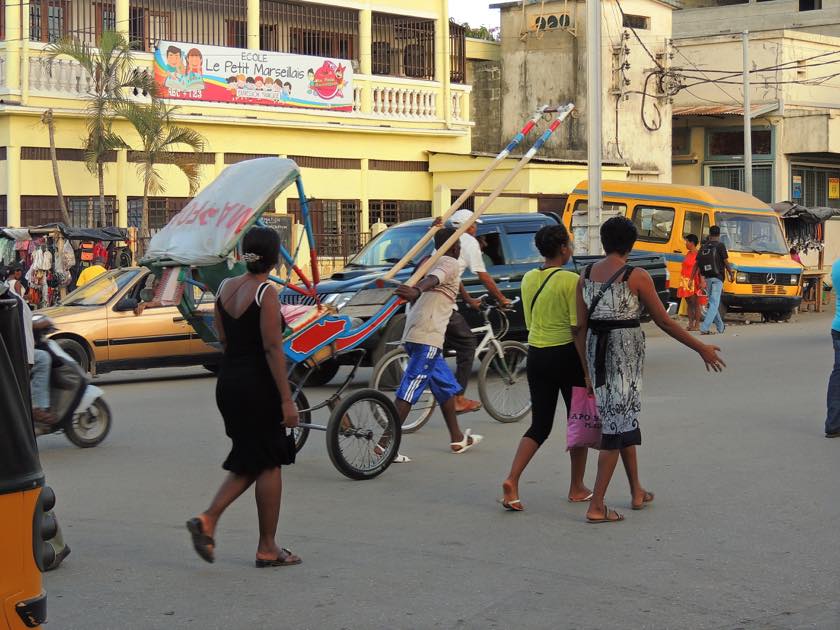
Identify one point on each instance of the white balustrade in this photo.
(458, 106)
(403, 102)
(357, 99)
(62, 78)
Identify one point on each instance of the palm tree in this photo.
(159, 139)
(113, 75)
(47, 119)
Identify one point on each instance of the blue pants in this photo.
(40, 377)
(426, 368)
(714, 286)
(832, 419)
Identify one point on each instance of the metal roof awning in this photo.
(686, 111)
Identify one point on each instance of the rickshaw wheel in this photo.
(300, 434)
(363, 434)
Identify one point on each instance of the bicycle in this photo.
(502, 380)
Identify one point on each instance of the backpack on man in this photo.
(708, 260)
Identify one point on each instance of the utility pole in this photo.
(594, 123)
(748, 174)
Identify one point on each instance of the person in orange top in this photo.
(689, 289)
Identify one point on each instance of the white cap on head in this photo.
(462, 216)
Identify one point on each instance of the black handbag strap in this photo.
(542, 286)
(626, 269)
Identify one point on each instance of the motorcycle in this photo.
(81, 411)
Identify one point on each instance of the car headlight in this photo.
(794, 279)
(338, 300)
(742, 277)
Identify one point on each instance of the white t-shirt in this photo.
(471, 257)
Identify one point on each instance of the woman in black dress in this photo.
(254, 398)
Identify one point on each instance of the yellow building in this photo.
(405, 97)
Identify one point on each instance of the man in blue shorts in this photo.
(431, 307)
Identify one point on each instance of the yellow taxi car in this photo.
(101, 326)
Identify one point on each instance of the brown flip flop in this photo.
(648, 498)
(202, 543)
(585, 499)
(606, 518)
(279, 561)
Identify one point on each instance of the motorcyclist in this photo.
(40, 378)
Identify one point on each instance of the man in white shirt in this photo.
(459, 337)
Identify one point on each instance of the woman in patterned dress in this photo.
(611, 296)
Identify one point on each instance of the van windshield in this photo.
(99, 291)
(390, 246)
(751, 233)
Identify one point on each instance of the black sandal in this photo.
(279, 561)
(202, 543)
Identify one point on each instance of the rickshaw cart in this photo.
(200, 247)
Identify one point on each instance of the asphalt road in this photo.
(743, 533)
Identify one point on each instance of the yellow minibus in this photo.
(767, 280)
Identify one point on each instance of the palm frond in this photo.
(192, 171)
(186, 136)
(78, 50)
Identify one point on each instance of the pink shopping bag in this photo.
(584, 427)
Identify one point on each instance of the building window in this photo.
(49, 20)
(321, 43)
(336, 223)
(810, 5)
(403, 46)
(681, 141)
(84, 211)
(106, 18)
(393, 212)
(195, 22)
(305, 29)
(654, 224)
(237, 34)
(636, 21)
(161, 211)
(146, 28)
(811, 186)
(457, 53)
(725, 143)
(733, 177)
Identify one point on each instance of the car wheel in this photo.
(76, 351)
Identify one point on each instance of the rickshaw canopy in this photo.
(209, 227)
(20, 468)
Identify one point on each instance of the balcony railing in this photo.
(374, 97)
(401, 46)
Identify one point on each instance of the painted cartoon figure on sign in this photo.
(194, 79)
(327, 81)
(175, 69)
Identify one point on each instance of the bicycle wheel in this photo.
(301, 433)
(503, 382)
(363, 434)
(387, 376)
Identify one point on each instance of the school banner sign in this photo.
(194, 72)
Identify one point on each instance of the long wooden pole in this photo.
(501, 157)
(421, 271)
